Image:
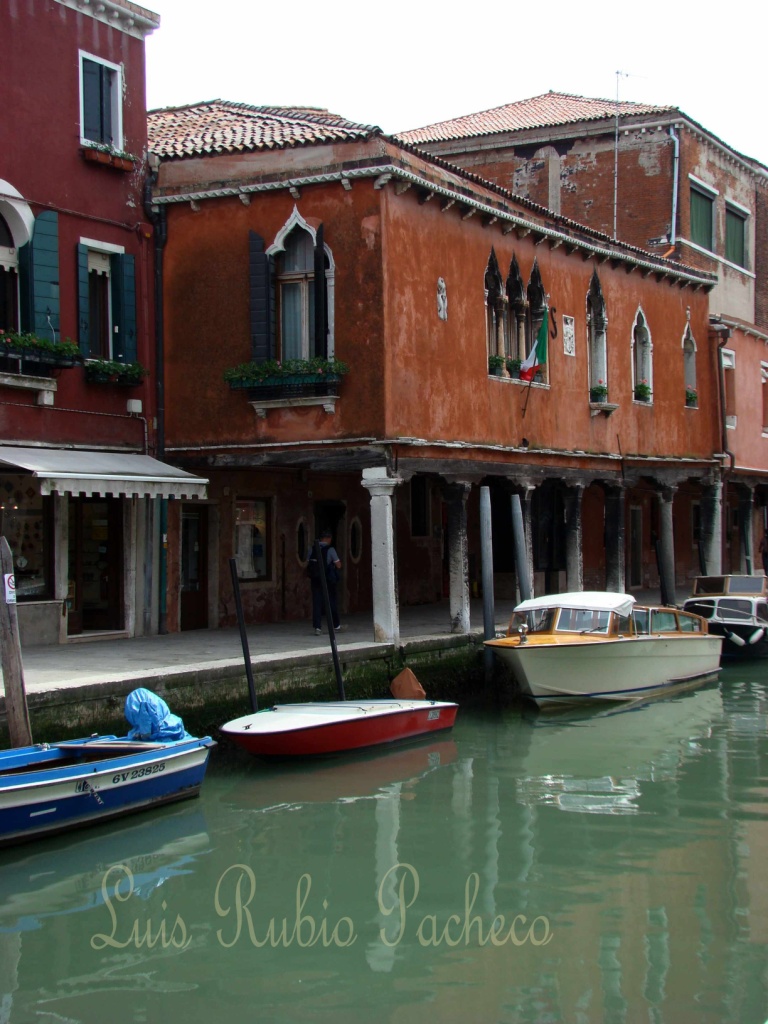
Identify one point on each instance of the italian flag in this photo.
(538, 357)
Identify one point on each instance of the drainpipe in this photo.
(157, 216)
(675, 184)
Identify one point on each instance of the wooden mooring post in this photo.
(10, 654)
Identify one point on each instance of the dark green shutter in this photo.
(98, 81)
(702, 208)
(39, 278)
(122, 269)
(321, 298)
(261, 298)
(83, 303)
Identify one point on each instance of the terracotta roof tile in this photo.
(219, 126)
(551, 108)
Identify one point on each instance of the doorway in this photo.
(95, 589)
(193, 613)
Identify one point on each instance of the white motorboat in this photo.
(592, 645)
(736, 608)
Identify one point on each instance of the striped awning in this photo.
(66, 471)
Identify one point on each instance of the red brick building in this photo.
(297, 234)
(82, 498)
(655, 178)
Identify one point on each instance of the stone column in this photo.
(615, 534)
(386, 616)
(526, 501)
(667, 546)
(712, 528)
(574, 550)
(458, 561)
(746, 529)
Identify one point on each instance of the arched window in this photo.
(642, 359)
(597, 326)
(9, 279)
(518, 306)
(689, 367)
(496, 310)
(292, 293)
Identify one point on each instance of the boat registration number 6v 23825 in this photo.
(139, 773)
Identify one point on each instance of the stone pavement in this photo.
(142, 661)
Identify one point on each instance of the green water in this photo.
(607, 866)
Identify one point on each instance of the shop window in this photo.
(101, 91)
(253, 539)
(702, 217)
(735, 237)
(26, 523)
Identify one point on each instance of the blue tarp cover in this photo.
(151, 718)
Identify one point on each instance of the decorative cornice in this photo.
(469, 204)
(120, 14)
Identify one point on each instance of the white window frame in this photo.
(117, 101)
(99, 254)
(728, 362)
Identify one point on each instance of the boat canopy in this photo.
(589, 600)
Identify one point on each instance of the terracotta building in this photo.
(81, 497)
(653, 177)
(292, 234)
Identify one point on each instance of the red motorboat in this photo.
(334, 727)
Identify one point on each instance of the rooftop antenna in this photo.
(619, 75)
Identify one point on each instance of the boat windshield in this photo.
(538, 620)
(583, 620)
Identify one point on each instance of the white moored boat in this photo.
(592, 645)
(736, 608)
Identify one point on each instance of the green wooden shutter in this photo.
(261, 297)
(122, 269)
(321, 297)
(26, 290)
(83, 303)
(40, 292)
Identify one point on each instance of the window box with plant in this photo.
(691, 397)
(496, 366)
(643, 391)
(113, 371)
(28, 353)
(513, 368)
(98, 153)
(289, 378)
(599, 392)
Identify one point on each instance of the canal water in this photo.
(584, 866)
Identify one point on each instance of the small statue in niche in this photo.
(442, 299)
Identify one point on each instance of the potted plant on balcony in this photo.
(98, 153)
(598, 392)
(29, 348)
(513, 368)
(114, 371)
(274, 378)
(642, 391)
(495, 366)
(691, 397)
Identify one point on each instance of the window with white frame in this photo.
(642, 358)
(689, 367)
(291, 284)
(764, 380)
(735, 235)
(106, 301)
(702, 211)
(496, 310)
(729, 378)
(597, 325)
(101, 102)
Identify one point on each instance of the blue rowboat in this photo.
(51, 787)
(47, 788)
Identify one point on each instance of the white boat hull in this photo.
(615, 669)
